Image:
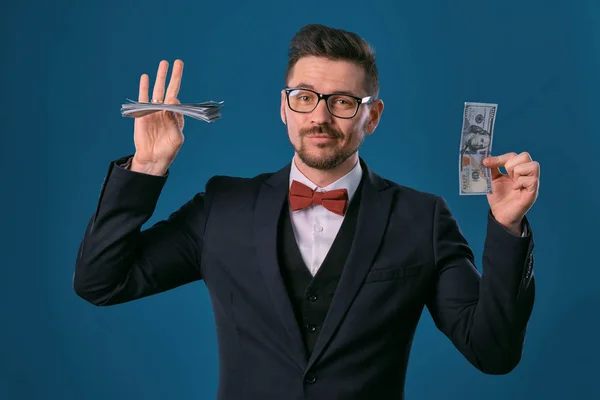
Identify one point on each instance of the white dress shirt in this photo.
(315, 227)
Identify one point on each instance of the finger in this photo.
(514, 161)
(498, 161)
(495, 162)
(529, 183)
(175, 82)
(158, 92)
(143, 91)
(531, 168)
(495, 172)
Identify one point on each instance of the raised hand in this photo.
(158, 136)
(513, 193)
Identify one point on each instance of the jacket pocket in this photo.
(387, 274)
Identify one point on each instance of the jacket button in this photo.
(311, 328)
(312, 297)
(310, 378)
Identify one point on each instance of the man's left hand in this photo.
(513, 193)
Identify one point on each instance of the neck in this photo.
(322, 178)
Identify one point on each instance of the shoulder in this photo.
(227, 183)
(405, 195)
(406, 199)
(400, 192)
(410, 193)
(417, 206)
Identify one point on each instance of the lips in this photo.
(320, 137)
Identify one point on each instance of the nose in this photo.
(321, 114)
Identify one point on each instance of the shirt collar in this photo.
(350, 181)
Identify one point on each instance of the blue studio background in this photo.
(67, 66)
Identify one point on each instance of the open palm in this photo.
(159, 136)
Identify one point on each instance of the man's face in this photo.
(321, 140)
(479, 141)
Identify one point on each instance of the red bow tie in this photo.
(301, 196)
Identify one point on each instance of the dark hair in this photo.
(334, 44)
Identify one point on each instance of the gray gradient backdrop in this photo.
(68, 65)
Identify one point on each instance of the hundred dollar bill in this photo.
(475, 145)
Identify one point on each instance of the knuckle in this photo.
(518, 167)
(509, 159)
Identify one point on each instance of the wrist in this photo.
(516, 230)
(157, 168)
(514, 227)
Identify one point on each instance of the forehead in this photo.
(328, 76)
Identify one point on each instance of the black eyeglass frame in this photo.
(325, 97)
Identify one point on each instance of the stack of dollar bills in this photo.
(208, 111)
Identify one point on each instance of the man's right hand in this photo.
(158, 136)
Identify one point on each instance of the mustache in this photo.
(321, 129)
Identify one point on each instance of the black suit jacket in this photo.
(408, 253)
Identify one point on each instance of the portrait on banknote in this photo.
(475, 145)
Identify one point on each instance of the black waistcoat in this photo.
(311, 296)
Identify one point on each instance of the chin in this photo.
(322, 160)
(321, 152)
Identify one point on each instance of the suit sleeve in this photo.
(485, 316)
(119, 262)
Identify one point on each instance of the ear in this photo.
(375, 112)
(282, 108)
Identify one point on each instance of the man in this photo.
(318, 273)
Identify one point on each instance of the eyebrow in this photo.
(303, 85)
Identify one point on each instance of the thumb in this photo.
(498, 161)
(177, 117)
(490, 162)
(493, 163)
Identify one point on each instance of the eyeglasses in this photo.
(339, 105)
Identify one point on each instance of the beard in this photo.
(325, 161)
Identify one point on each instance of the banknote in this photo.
(208, 111)
(475, 145)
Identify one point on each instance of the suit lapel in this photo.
(373, 214)
(271, 197)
